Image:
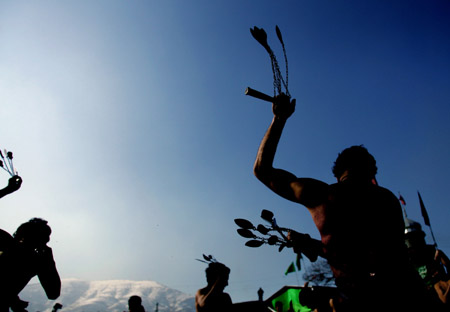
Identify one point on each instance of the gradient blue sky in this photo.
(134, 138)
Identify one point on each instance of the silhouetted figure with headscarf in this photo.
(23, 256)
(135, 304)
(360, 224)
(14, 184)
(212, 298)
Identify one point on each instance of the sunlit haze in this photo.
(133, 136)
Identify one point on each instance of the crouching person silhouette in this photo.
(23, 256)
(212, 298)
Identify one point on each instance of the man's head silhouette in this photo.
(357, 161)
(135, 304)
(217, 271)
(34, 233)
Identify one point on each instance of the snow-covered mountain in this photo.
(111, 296)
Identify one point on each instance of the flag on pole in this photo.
(290, 269)
(401, 199)
(426, 219)
(403, 202)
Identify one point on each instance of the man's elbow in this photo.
(258, 172)
(261, 173)
(53, 295)
(53, 291)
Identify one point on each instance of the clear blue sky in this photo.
(136, 142)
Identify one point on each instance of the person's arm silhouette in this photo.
(212, 297)
(304, 244)
(48, 274)
(306, 191)
(14, 184)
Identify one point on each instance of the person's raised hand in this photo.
(283, 107)
(14, 183)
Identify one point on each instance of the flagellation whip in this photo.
(273, 235)
(6, 163)
(278, 81)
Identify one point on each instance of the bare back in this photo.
(361, 227)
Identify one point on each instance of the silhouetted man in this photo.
(135, 304)
(14, 184)
(23, 256)
(361, 224)
(212, 298)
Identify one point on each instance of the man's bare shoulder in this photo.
(366, 191)
(201, 292)
(310, 192)
(385, 194)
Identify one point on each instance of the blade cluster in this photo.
(260, 235)
(6, 162)
(208, 259)
(260, 35)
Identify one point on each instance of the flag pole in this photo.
(432, 235)
(426, 219)
(403, 204)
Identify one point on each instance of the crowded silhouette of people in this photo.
(431, 263)
(14, 184)
(212, 298)
(360, 224)
(23, 256)
(135, 304)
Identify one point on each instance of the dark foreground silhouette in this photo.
(23, 256)
(360, 223)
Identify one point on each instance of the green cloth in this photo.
(290, 295)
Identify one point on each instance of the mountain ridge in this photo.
(108, 295)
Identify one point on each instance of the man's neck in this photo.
(353, 177)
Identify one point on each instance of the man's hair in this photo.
(357, 160)
(215, 270)
(36, 228)
(135, 300)
(135, 304)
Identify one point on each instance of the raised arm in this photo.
(308, 192)
(14, 184)
(212, 298)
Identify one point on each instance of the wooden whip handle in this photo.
(258, 95)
